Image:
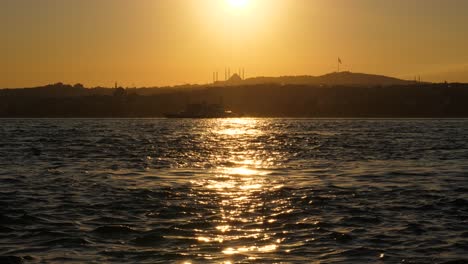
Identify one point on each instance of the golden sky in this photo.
(168, 42)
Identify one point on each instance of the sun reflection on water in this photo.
(237, 127)
(240, 195)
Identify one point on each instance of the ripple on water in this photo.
(233, 191)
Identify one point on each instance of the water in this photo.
(233, 191)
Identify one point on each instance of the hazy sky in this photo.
(166, 42)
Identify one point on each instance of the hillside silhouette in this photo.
(336, 78)
(333, 95)
(332, 79)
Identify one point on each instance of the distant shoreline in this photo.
(433, 101)
(413, 100)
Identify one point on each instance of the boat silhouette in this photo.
(203, 110)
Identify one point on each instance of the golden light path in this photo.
(241, 193)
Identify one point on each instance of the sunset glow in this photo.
(238, 3)
(171, 42)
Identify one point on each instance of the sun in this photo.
(238, 3)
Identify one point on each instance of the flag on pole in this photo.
(339, 60)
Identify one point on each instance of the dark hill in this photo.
(360, 79)
(60, 90)
(49, 91)
(265, 100)
(336, 78)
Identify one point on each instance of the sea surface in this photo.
(233, 191)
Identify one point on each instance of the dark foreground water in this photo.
(233, 191)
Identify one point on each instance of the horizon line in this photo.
(224, 81)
